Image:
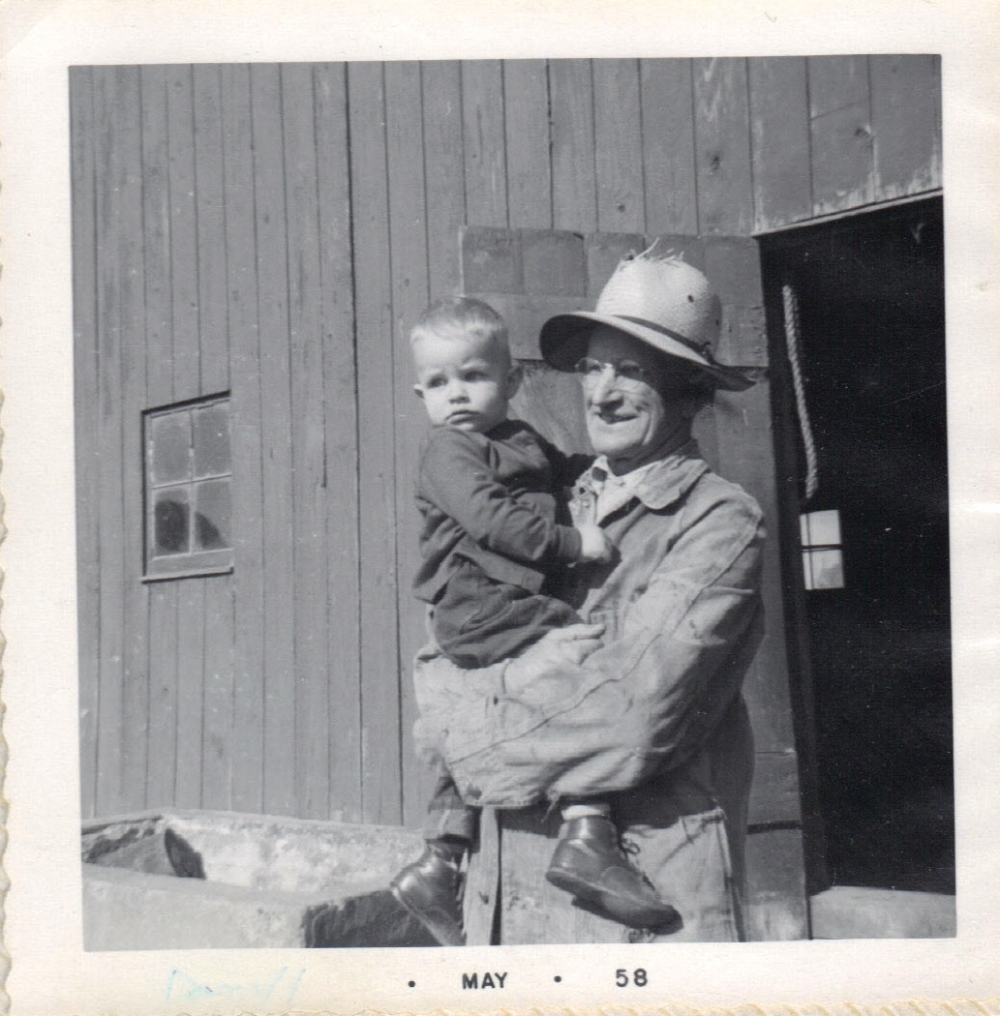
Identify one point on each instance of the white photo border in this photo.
(49, 971)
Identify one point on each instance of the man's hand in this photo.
(595, 547)
(551, 653)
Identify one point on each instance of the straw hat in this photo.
(663, 301)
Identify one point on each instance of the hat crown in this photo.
(668, 293)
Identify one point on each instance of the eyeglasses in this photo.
(627, 374)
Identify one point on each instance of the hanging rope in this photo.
(791, 303)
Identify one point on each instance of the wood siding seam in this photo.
(694, 132)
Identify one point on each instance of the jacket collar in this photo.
(657, 484)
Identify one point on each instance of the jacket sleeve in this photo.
(641, 704)
(566, 469)
(456, 477)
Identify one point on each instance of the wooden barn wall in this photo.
(272, 231)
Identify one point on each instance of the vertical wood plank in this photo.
(843, 167)
(276, 435)
(119, 214)
(311, 684)
(746, 456)
(213, 329)
(184, 251)
(190, 691)
(836, 82)
(85, 371)
(905, 97)
(574, 170)
(408, 229)
(445, 176)
(219, 739)
(722, 147)
(248, 529)
(526, 129)
(336, 300)
(218, 734)
(135, 692)
(779, 115)
(380, 723)
(163, 647)
(668, 159)
(156, 237)
(184, 286)
(483, 131)
(618, 139)
(161, 600)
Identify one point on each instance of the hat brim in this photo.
(563, 341)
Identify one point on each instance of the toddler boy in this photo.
(492, 530)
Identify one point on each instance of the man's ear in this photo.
(694, 402)
(514, 378)
(418, 390)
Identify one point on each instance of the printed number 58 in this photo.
(638, 978)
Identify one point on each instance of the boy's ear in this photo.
(418, 390)
(514, 377)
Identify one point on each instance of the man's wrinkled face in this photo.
(629, 420)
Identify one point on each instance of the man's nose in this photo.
(606, 388)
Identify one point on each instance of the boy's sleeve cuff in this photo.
(569, 543)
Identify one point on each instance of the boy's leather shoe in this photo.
(428, 889)
(589, 863)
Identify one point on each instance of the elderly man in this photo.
(651, 715)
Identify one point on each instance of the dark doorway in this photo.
(875, 659)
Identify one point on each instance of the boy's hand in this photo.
(595, 546)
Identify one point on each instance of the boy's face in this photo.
(464, 383)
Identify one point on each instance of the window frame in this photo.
(192, 563)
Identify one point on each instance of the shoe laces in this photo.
(628, 846)
(631, 849)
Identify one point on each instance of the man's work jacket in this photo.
(654, 717)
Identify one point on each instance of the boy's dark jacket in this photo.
(495, 499)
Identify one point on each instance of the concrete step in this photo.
(859, 912)
(203, 880)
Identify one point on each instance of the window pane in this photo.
(171, 440)
(211, 519)
(821, 528)
(824, 569)
(211, 440)
(170, 522)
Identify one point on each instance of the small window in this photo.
(188, 474)
(822, 557)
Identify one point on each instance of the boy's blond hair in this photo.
(462, 318)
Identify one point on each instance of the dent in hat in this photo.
(662, 301)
